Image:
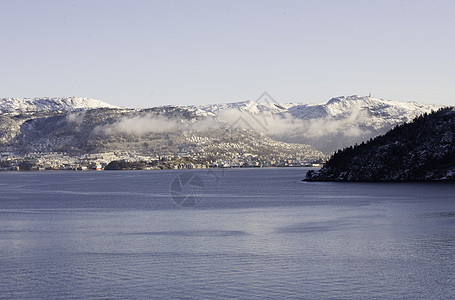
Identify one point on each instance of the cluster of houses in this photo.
(62, 161)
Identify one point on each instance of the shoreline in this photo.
(154, 169)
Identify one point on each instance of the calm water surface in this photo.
(254, 233)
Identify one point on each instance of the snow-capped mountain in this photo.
(29, 124)
(335, 108)
(341, 107)
(244, 106)
(23, 105)
(338, 123)
(139, 134)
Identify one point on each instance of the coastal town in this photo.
(130, 161)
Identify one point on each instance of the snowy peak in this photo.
(335, 124)
(341, 107)
(335, 108)
(244, 106)
(22, 105)
(366, 102)
(371, 102)
(253, 107)
(265, 107)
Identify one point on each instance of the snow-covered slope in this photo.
(338, 123)
(335, 108)
(369, 111)
(244, 106)
(21, 105)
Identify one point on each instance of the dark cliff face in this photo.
(422, 150)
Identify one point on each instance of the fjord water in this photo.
(253, 233)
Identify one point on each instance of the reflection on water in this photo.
(255, 234)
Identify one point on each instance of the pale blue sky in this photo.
(148, 53)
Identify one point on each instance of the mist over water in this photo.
(254, 233)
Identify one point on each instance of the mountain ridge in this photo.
(333, 107)
(328, 126)
(259, 132)
(40, 104)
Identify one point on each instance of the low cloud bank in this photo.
(275, 125)
(152, 123)
(286, 124)
(324, 134)
(140, 125)
(76, 119)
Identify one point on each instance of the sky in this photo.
(150, 53)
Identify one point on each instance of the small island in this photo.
(423, 150)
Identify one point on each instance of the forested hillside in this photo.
(421, 150)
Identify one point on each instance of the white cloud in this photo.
(140, 125)
(286, 124)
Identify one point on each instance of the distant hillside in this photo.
(335, 124)
(252, 131)
(421, 150)
(16, 106)
(160, 131)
